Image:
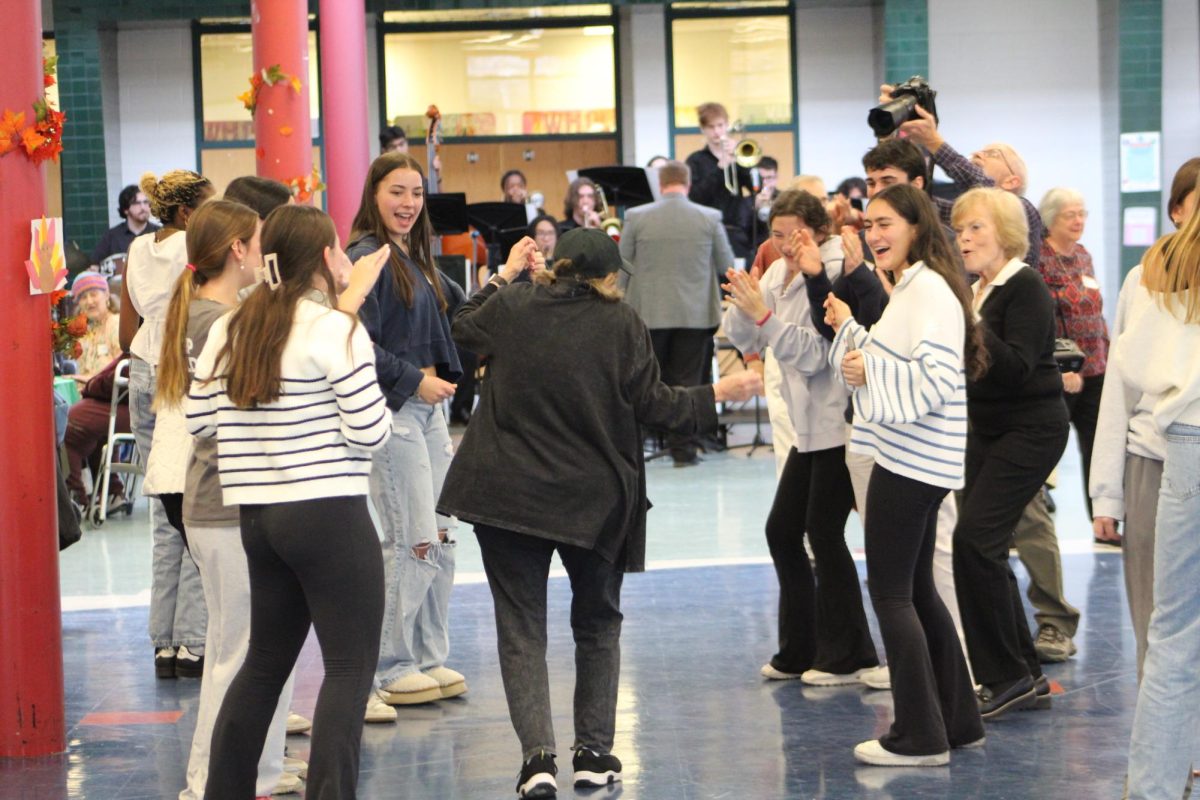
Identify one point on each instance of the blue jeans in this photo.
(1168, 707)
(406, 479)
(178, 615)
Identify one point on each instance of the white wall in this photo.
(1029, 74)
(155, 103)
(645, 112)
(837, 86)
(1181, 91)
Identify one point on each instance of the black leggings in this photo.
(312, 562)
(823, 627)
(935, 702)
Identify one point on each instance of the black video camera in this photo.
(915, 91)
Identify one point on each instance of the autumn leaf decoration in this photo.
(46, 268)
(305, 186)
(270, 76)
(65, 332)
(41, 139)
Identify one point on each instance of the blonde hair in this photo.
(180, 188)
(1015, 163)
(1171, 268)
(564, 269)
(1054, 201)
(811, 184)
(1012, 229)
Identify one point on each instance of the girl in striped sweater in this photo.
(287, 385)
(908, 381)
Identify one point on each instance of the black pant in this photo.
(681, 354)
(824, 628)
(464, 397)
(1084, 408)
(931, 687)
(312, 562)
(1003, 473)
(517, 567)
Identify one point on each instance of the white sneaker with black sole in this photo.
(593, 769)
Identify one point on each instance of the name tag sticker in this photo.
(1090, 282)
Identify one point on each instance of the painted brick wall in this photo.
(84, 181)
(906, 39)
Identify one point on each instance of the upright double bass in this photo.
(469, 245)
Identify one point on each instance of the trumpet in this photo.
(746, 154)
(610, 223)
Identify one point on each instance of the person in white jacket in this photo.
(1158, 355)
(824, 638)
(908, 378)
(1128, 452)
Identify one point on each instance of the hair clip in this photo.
(271, 270)
(192, 267)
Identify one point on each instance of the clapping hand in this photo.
(803, 253)
(746, 294)
(836, 312)
(361, 279)
(852, 249)
(738, 388)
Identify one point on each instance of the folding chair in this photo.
(119, 455)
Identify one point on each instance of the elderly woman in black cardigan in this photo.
(552, 461)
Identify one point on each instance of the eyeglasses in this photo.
(1071, 216)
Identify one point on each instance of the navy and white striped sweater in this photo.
(912, 414)
(315, 439)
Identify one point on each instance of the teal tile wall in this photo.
(84, 180)
(905, 39)
(1140, 25)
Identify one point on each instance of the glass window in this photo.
(226, 64)
(520, 82)
(454, 15)
(744, 63)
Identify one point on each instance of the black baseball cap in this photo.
(592, 252)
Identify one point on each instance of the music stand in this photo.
(502, 226)
(625, 187)
(448, 213)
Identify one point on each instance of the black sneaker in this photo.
(164, 662)
(593, 769)
(188, 664)
(995, 701)
(537, 777)
(1041, 685)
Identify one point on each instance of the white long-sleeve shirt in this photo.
(1125, 423)
(313, 441)
(911, 415)
(816, 401)
(1159, 355)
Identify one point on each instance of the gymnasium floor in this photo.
(695, 720)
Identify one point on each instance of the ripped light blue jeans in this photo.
(406, 479)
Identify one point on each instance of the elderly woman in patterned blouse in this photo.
(1066, 267)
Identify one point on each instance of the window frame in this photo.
(788, 12)
(382, 29)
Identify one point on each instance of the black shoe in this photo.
(1041, 685)
(537, 777)
(1051, 506)
(164, 662)
(685, 459)
(994, 704)
(593, 769)
(188, 664)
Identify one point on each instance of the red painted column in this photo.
(344, 108)
(282, 128)
(31, 667)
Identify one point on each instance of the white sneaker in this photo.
(377, 710)
(298, 724)
(772, 674)
(289, 783)
(296, 766)
(451, 682)
(873, 753)
(411, 690)
(816, 677)
(876, 677)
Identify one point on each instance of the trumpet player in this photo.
(711, 168)
(579, 208)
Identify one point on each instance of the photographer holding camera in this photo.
(996, 164)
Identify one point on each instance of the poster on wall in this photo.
(46, 267)
(1140, 227)
(1141, 158)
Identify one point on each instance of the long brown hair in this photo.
(369, 222)
(931, 246)
(211, 231)
(1171, 268)
(259, 329)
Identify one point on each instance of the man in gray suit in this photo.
(679, 252)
